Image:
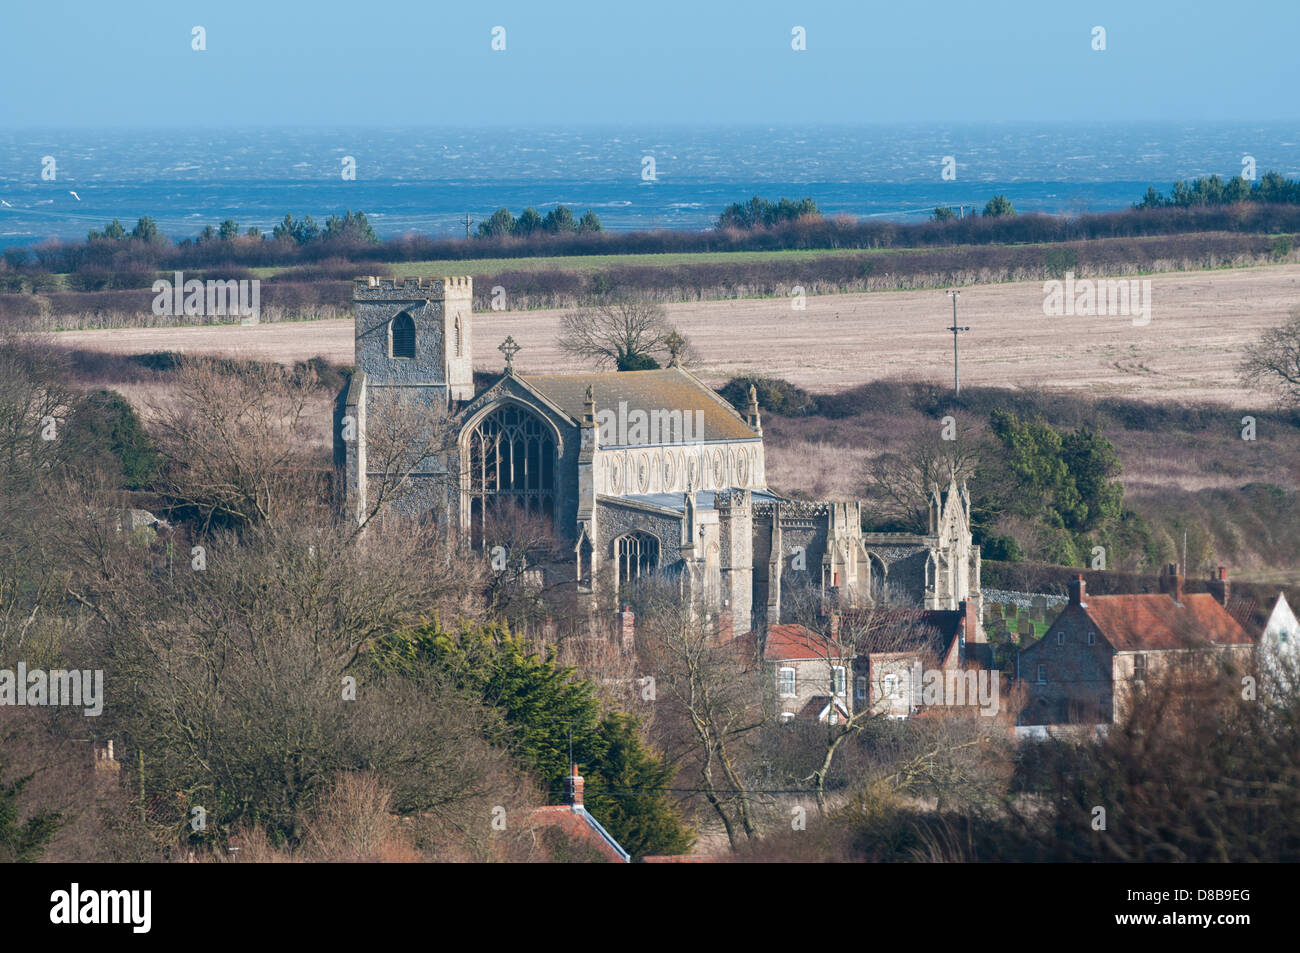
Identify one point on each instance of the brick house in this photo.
(898, 647)
(810, 678)
(871, 658)
(1081, 671)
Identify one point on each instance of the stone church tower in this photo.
(412, 351)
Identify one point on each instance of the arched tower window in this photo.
(511, 463)
(402, 337)
(637, 554)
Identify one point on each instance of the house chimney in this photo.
(106, 765)
(627, 629)
(1078, 590)
(573, 788)
(1219, 586)
(726, 624)
(1172, 583)
(971, 620)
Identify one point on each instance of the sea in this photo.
(60, 183)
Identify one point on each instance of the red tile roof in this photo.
(792, 641)
(578, 825)
(1155, 622)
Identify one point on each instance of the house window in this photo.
(839, 680)
(1139, 667)
(889, 685)
(860, 688)
(401, 340)
(1042, 674)
(785, 682)
(1060, 638)
(1092, 638)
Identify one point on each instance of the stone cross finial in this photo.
(509, 348)
(675, 344)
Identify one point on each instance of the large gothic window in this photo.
(402, 336)
(511, 464)
(637, 554)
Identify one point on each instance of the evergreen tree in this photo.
(559, 219)
(146, 230)
(548, 711)
(25, 841)
(998, 207)
(527, 223)
(646, 821)
(501, 223)
(352, 227)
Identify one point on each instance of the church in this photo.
(638, 472)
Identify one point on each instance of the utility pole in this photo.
(467, 224)
(956, 383)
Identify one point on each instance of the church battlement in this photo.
(371, 287)
(796, 509)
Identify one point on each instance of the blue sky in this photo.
(329, 62)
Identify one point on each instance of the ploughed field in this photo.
(1189, 349)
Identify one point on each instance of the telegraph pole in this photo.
(467, 224)
(956, 382)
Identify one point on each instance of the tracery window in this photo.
(511, 463)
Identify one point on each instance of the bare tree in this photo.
(624, 331)
(713, 694)
(899, 485)
(845, 641)
(531, 569)
(237, 445)
(407, 441)
(1273, 362)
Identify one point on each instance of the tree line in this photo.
(1271, 188)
